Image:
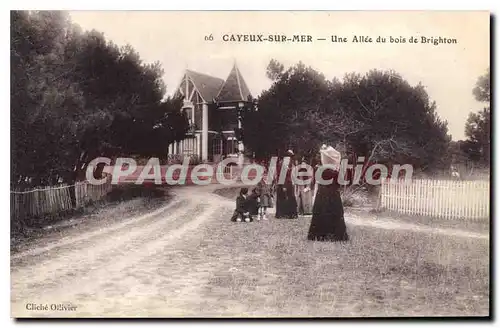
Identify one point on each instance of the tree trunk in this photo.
(72, 187)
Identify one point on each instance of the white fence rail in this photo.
(438, 198)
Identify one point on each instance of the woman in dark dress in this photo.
(327, 223)
(286, 203)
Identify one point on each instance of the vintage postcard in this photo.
(250, 164)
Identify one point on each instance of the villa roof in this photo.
(211, 88)
(234, 88)
(207, 85)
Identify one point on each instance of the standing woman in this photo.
(304, 193)
(327, 222)
(286, 203)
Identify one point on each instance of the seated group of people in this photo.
(253, 206)
(325, 203)
(291, 201)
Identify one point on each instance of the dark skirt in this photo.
(327, 223)
(286, 204)
(252, 205)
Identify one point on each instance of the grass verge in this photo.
(122, 202)
(270, 269)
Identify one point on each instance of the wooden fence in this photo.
(51, 200)
(438, 198)
(86, 192)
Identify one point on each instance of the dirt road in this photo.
(150, 265)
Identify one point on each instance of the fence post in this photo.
(380, 204)
(40, 201)
(439, 198)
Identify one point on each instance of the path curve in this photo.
(119, 270)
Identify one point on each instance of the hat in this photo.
(290, 152)
(330, 155)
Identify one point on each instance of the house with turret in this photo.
(212, 106)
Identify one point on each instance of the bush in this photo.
(179, 159)
(194, 160)
(355, 196)
(174, 159)
(122, 193)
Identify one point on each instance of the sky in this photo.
(178, 41)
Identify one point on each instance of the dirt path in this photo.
(150, 265)
(370, 220)
(90, 270)
(389, 224)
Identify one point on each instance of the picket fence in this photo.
(51, 200)
(438, 198)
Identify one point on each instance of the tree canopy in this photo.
(76, 96)
(478, 126)
(378, 115)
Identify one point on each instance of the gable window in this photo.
(189, 115)
(189, 112)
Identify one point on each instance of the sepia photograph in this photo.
(250, 164)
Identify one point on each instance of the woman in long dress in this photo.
(304, 194)
(286, 203)
(327, 223)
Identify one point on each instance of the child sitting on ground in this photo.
(241, 212)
